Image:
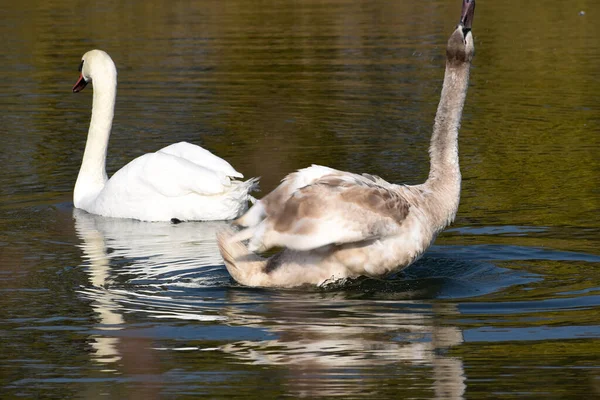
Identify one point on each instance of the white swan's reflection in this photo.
(151, 252)
(324, 343)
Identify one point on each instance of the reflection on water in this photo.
(505, 305)
(321, 345)
(306, 337)
(165, 313)
(152, 252)
(322, 341)
(181, 253)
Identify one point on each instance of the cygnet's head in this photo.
(95, 65)
(460, 45)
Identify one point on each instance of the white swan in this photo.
(181, 181)
(334, 224)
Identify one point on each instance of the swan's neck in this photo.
(92, 174)
(444, 175)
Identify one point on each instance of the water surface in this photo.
(505, 305)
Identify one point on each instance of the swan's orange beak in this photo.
(80, 84)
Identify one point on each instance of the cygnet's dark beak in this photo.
(80, 84)
(466, 17)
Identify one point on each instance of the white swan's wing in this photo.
(159, 187)
(174, 176)
(335, 209)
(201, 157)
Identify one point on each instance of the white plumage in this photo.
(181, 181)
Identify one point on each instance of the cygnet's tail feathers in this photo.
(253, 216)
(244, 266)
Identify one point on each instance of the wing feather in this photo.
(174, 176)
(276, 199)
(335, 209)
(201, 157)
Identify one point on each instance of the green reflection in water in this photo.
(275, 86)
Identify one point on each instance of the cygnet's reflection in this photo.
(319, 336)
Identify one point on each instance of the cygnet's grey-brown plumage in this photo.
(333, 224)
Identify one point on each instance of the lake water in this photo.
(505, 305)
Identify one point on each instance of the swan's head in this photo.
(460, 45)
(95, 65)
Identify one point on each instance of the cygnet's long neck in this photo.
(443, 150)
(92, 174)
(444, 175)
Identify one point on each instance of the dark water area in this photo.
(506, 304)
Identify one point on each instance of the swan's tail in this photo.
(235, 201)
(244, 266)
(251, 185)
